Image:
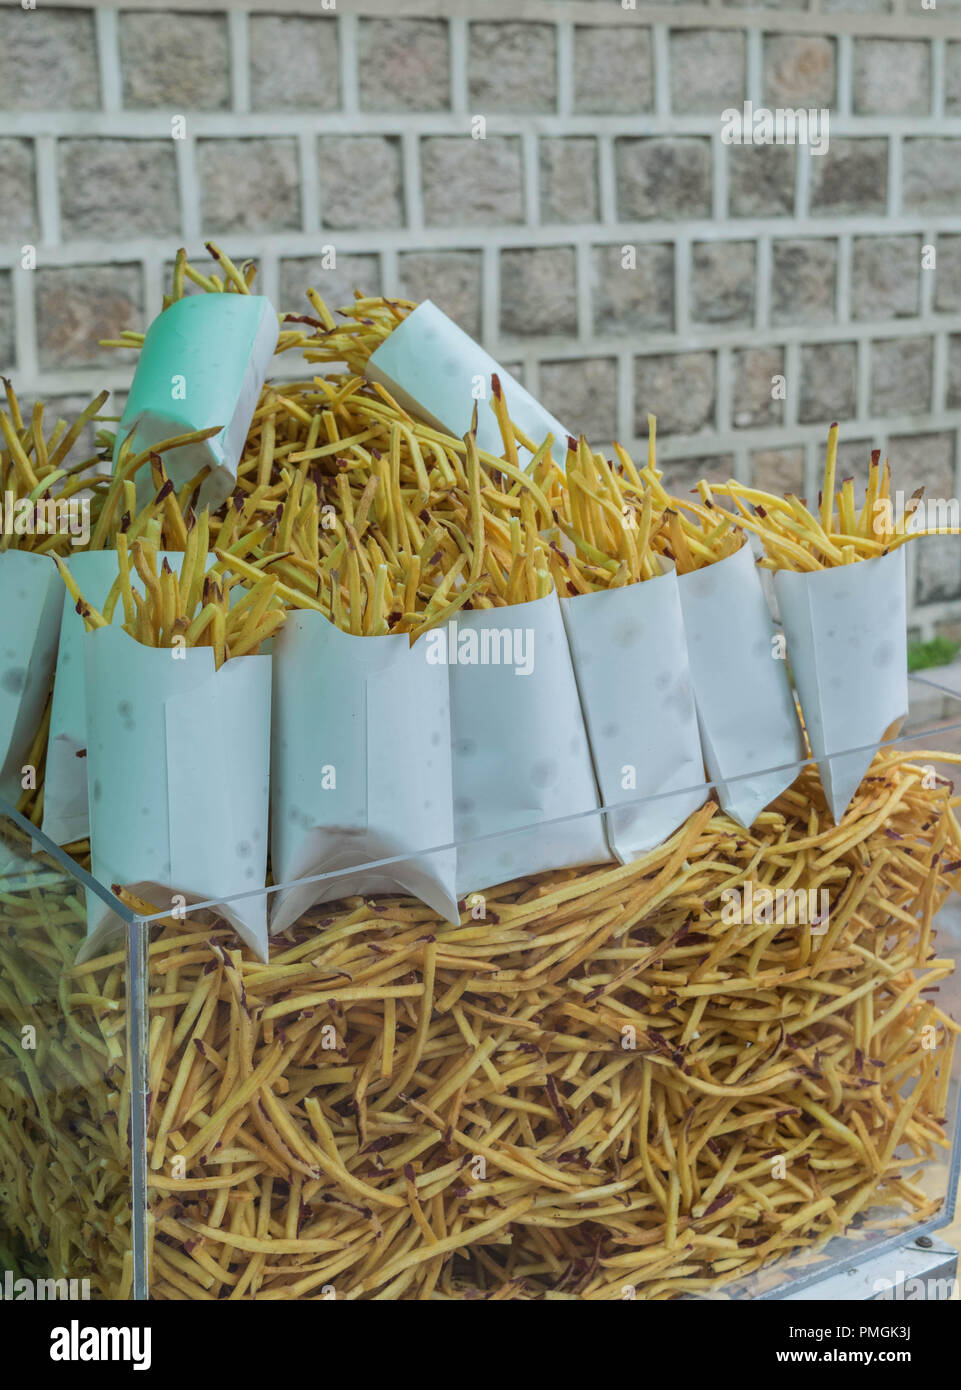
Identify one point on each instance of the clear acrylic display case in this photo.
(84, 1058)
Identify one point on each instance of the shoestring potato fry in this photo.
(620, 520)
(34, 468)
(333, 1108)
(585, 1089)
(190, 608)
(840, 532)
(37, 471)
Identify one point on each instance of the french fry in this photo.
(307, 1165)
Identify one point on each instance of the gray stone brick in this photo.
(18, 207)
(923, 460)
(761, 180)
(177, 61)
(335, 284)
(939, 569)
(854, 460)
(932, 174)
(722, 282)
(584, 395)
(638, 299)
(954, 372)
(294, 63)
(707, 70)
(613, 69)
(403, 64)
(947, 284)
(681, 476)
(952, 78)
(662, 178)
(779, 471)
(48, 60)
(901, 376)
(568, 179)
(803, 280)
(7, 334)
(679, 388)
(829, 375)
(512, 67)
(361, 181)
(472, 182)
(538, 292)
(885, 277)
(99, 178)
(452, 279)
(851, 177)
(892, 77)
(927, 460)
(799, 70)
(248, 185)
(76, 306)
(752, 403)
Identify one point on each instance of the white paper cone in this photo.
(630, 660)
(31, 600)
(361, 769)
(521, 756)
(433, 368)
(178, 768)
(65, 814)
(846, 630)
(745, 704)
(203, 363)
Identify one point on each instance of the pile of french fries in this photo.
(576, 1091)
(582, 1093)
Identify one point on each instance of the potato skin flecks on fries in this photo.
(840, 532)
(623, 1060)
(583, 1089)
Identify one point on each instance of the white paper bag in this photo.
(433, 369)
(203, 363)
(178, 769)
(361, 769)
(631, 663)
(65, 814)
(745, 704)
(521, 758)
(31, 600)
(846, 630)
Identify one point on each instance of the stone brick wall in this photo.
(602, 240)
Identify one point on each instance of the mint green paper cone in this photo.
(203, 363)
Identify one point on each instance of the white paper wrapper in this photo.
(846, 632)
(521, 755)
(65, 813)
(631, 663)
(178, 768)
(361, 769)
(31, 600)
(745, 704)
(431, 367)
(203, 363)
